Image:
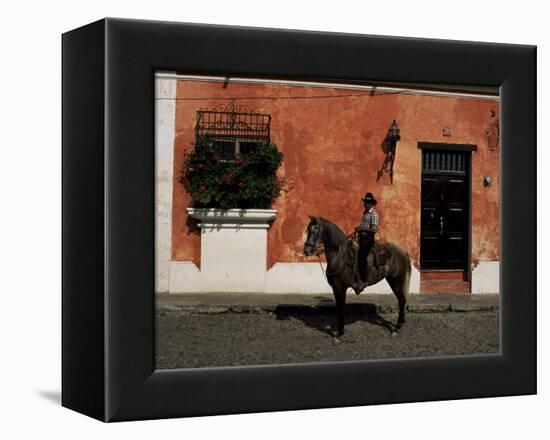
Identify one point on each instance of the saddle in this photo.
(377, 257)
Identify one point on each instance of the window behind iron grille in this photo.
(233, 131)
(444, 161)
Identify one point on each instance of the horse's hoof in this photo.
(394, 333)
(336, 340)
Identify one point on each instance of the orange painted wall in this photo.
(331, 140)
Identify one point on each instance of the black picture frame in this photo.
(108, 218)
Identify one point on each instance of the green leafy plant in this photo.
(248, 181)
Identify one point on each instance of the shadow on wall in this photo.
(389, 157)
(192, 226)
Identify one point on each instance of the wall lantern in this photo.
(389, 146)
(394, 133)
(487, 180)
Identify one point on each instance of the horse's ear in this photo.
(313, 219)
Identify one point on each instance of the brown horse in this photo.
(341, 268)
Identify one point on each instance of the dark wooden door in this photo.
(445, 210)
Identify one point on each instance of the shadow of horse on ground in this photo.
(321, 317)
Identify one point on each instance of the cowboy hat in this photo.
(369, 198)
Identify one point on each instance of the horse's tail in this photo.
(407, 277)
(403, 261)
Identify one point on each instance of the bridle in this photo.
(318, 250)
(315, 243)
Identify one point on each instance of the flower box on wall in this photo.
(233, 218)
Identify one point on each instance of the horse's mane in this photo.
(335, 230)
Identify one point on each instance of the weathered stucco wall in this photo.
(331, 140)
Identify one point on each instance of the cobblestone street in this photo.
(292, 335)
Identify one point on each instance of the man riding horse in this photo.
(342, 262)
(368, 226)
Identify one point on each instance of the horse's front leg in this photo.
(340, 298)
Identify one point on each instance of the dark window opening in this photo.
(248, 147)
(224, 149)
(228, 149)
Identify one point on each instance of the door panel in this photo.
(444, 211)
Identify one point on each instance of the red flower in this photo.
(226, 178)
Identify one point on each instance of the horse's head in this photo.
(314, 236)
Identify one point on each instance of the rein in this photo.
(338, 258)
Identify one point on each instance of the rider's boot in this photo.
(359, 285)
